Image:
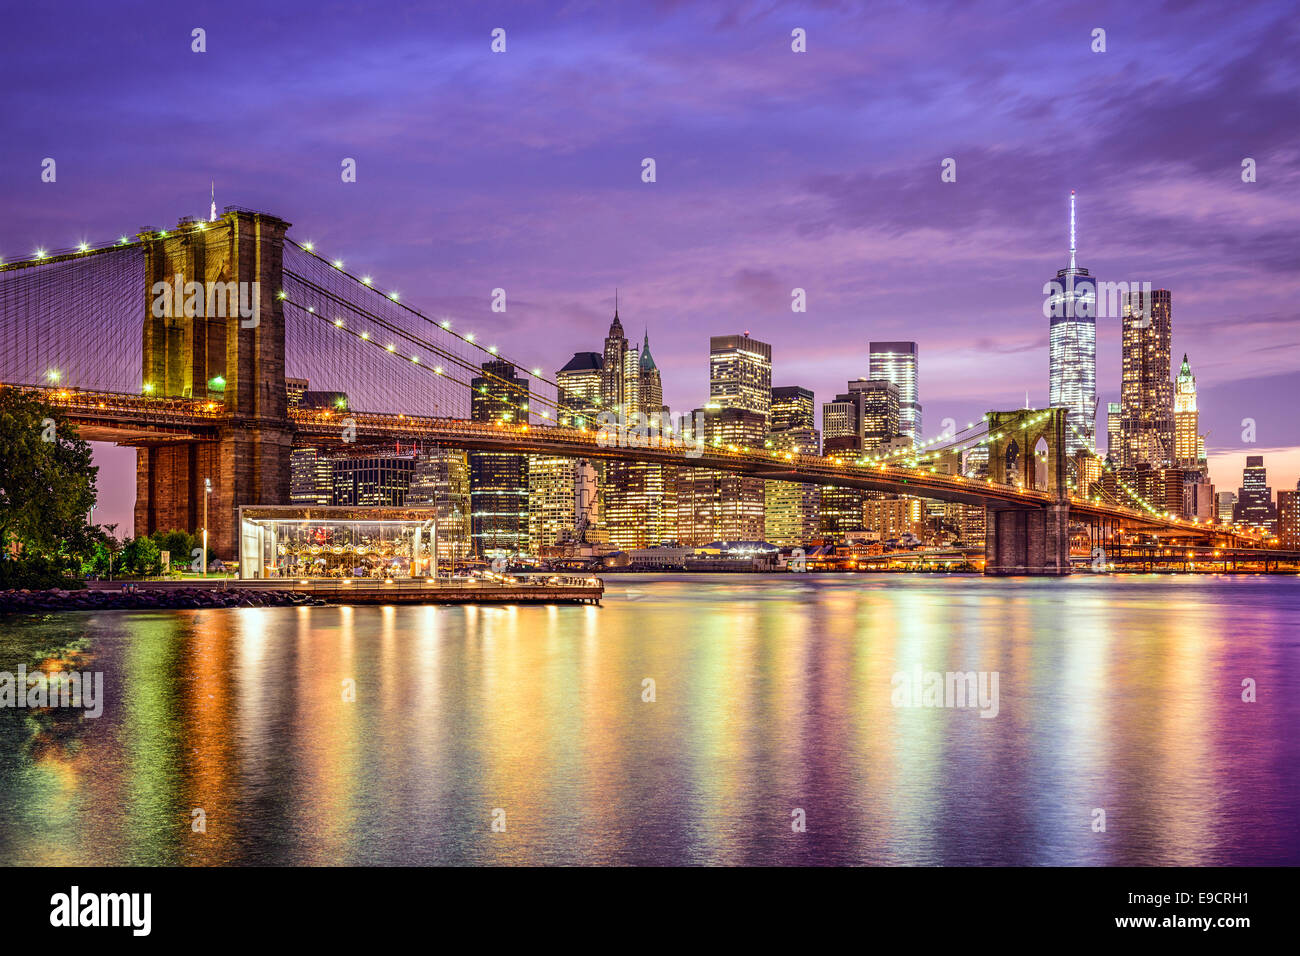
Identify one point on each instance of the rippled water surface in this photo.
(772, 694)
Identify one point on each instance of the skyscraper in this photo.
(1254, 506)
(870, 411)
(441, 479)
(618, 370)
(650, 386)
(579, 385)
(897, 362)
(792, 407)
(1072, 379)
(1288, 518)
(1114, 431)
(791, 508)
(1187, 439)
(740, 374)
(722, 506)
(862, 419)
(1146, 392)
(639, 495)
(498, 483)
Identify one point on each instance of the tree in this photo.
(141, 556)
(47, 482)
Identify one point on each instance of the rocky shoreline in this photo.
(145, 598)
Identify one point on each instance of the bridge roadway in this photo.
(140, 419)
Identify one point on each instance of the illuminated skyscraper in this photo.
(639, 509)
(740, 374)
(619, 369)
(1114, 431)
(871, 411)
(1146, 392)
(1187, 439)
(897, 362)
(551, 501)
(311, 476)
(441, 479)
(498, 483)
(372, 476)
(1072, 379)
(579, 385)
(1288, 518)
(792, 407)
(722, 506)
(791, 508)
(1254, 506)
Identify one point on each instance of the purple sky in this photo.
(775, 170)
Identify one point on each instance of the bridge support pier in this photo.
(1027, 542)
(244, 465)
(237, 360)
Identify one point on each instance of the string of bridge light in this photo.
(436, 370)
(43, 255)
(394, 297)
(1142, 501)
(535, 398)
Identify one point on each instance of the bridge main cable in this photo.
(392, 298)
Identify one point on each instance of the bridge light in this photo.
(537, 371)
(393, 296)
(147, 388)
(492, 349)
(163, 233)
(122, 241)
(445, 323)
(469, 336)
(84, 247)
(52, 375)
(366, 336)
(415, 358)
(281, 295)
(307, 246)
(365, 280)
(391, 347)
(40, 253)
(338, 263)
(338, 323)
(311, 309)
(437, 370)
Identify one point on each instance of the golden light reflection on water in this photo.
(771, 695)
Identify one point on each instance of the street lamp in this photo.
(207, 490)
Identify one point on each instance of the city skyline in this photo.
(549, 204)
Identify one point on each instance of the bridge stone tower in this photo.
(1027, 446)
(214, 329)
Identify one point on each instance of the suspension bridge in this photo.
(181, 342)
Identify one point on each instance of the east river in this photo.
(690, 719)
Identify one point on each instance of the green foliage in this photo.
(39, 573)
(142, 557)
(47, 488)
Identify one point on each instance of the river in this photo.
(690, 719)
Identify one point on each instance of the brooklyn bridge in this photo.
(179, 343)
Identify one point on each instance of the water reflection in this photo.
(391, 735)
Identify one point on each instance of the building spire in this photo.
(212, 213)
(1071, 228)
(616, 302)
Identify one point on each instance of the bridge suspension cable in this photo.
(523, 408)
(528, 398)
(444, 326)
